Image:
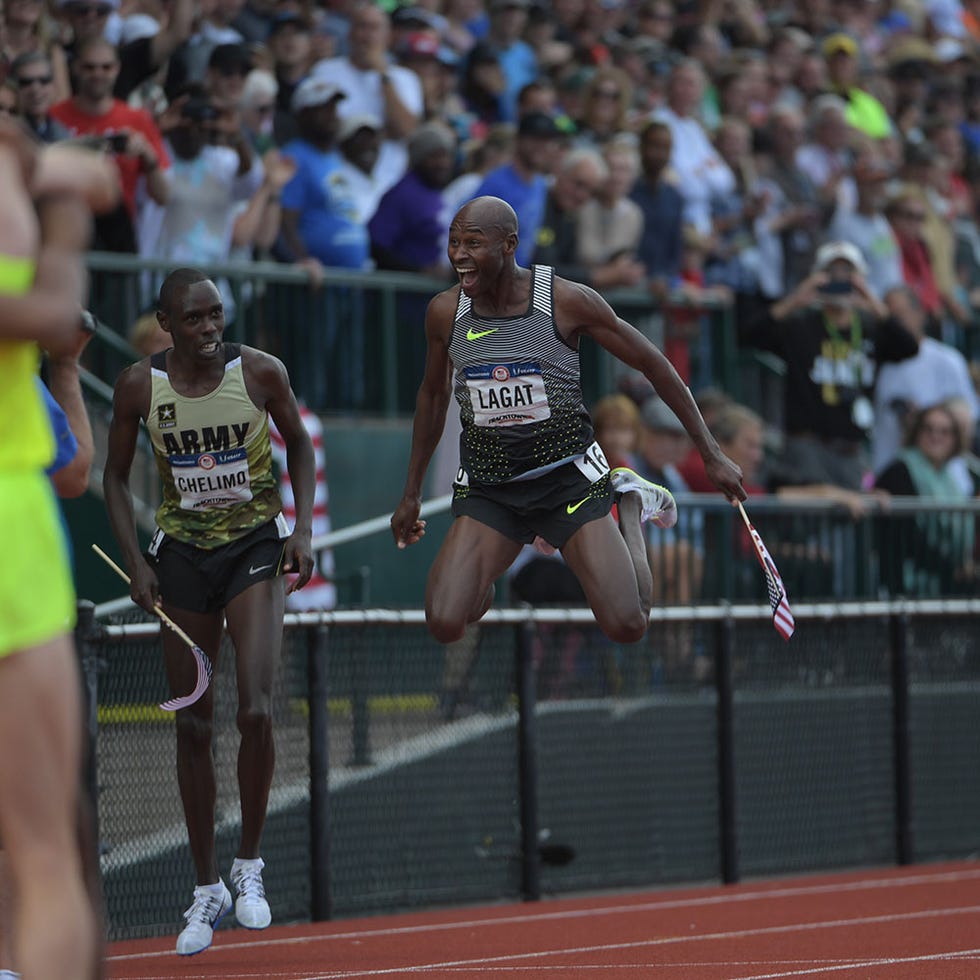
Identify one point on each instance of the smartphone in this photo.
(117, 142)
(836, 287)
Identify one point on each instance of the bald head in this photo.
(488, 213)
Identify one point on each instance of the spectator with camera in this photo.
(213, 170)
(130, 135)
(832, 332)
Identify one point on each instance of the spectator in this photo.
(702, 174)
(832, 333)
(207, 181)
(610, 225)
(606, 106)
(131, 134)
(258, 221)
(148, 53)
(929, 554)
(864, 111)
(662, 205)
(28, 29)
(522, 183)
(228, 67)
(508, 20)
(675, 554)
(418, 51)
(410, 226)
(319, 220)
(361, 146)
(733, 261)
(935, 374)
(481, 155)
(371, 84)
(907, 212)
(789, 228)
(867, 227)
(290, 46)
(215, 27)
(482, 87)
(583, 171)
(32, 76)
(258, 108)
(826, 156)
(618, 427)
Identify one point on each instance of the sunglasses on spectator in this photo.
(28, 80)
(85, 9)
(97, 65)
(607, 93)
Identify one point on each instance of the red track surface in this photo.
(919, 923)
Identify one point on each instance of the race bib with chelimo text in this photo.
(507, 394)
(215, 479)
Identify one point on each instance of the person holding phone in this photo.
(832, 332)
(130, 135)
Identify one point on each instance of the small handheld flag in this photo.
(201, 659)
(782, 615)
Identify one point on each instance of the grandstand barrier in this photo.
(711, 750)
(357, 344)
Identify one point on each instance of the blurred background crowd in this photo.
(814, 167)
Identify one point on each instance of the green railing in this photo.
(356, 344)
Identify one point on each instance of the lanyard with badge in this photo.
(862, 414)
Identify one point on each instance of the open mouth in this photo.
(467, 277)
(211, 347)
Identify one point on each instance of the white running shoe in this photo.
(658, 503)
(207, 910)
(251, 908)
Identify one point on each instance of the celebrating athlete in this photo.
(506, 338)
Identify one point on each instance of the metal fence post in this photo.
(527, 763)
(727, 813)
(898, 626)
(88, 646)
(317, 652)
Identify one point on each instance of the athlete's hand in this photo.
(297, 559)
(726, 476)
(405, 523)
(144, 589)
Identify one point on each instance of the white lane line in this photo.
(704, 901)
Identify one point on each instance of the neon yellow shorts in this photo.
(37, 597)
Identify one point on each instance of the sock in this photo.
(257, 863)
(217, 889)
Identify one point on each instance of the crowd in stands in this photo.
(704, 151)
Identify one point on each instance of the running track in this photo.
(913, 923)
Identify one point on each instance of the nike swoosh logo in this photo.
(252, 570)
(571, 508)
(472, 334)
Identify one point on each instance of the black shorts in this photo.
(207, 579)
(553, 506)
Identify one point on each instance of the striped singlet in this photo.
(214, 457)
(518, 385)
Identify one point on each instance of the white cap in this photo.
(349, 126)
(846, 251)
(315, 91)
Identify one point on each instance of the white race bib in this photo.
(216, 479)
(592, 463)
(507, 394)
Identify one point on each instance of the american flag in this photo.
(782, 615)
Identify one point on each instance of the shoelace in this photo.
(248, 882)
(205, 908)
